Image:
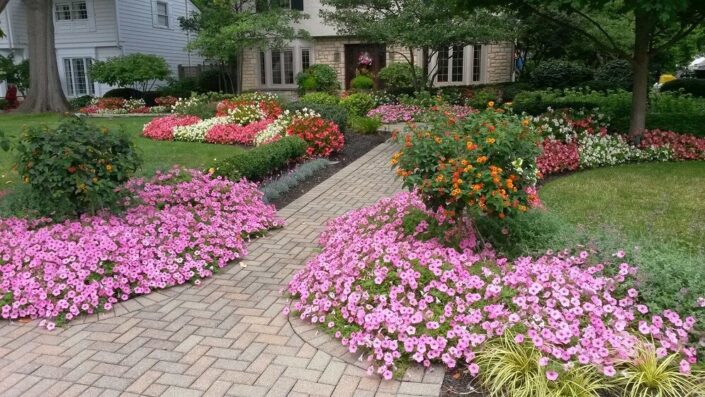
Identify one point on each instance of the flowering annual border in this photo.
(383, 284)
(399, 113)
(184, 226)
(116, 106)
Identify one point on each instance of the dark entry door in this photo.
(378, 53)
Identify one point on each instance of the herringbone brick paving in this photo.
(224, 337)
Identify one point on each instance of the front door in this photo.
(378, 54)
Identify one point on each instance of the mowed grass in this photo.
(647, 202)
(157, 155)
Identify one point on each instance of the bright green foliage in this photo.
(75, 168)
(512, 369)
(401, 78)
(358, 104)
(334, 113)
(262, 161)
(318, 77)
(139, 71)
(365, 125)
(362, 82)
(320, 98)
(14, 73)
(650, 376)
(560, 74)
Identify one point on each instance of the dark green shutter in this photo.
(297, 5)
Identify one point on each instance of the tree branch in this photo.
(574, 28)
(601, 29)
(682, 33)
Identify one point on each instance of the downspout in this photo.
(188, 35)
(117, 25)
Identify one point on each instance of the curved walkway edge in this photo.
(224, 337)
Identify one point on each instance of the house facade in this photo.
(89, 30)
(276, 70)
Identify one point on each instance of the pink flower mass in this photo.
(182, 226)
(397, 295)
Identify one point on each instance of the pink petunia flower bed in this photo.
(384, 287)
(182, 226)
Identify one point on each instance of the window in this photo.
(305, 58)
(162, 14)
(282, 67)
(476, 62)
(262, 68)
(443, 56)
(451, 65)
(262, 5)
(71, 10)
(457, 64)
(279, 67)
(78, 82)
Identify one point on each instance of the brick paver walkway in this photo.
(224, 337)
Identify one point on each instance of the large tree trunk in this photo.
(640, 65)
(425, 69)
(45, 93)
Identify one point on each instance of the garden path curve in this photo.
(224, 337)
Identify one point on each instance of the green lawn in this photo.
(156, 154)
(647, 202)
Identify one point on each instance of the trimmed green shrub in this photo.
(399, 79)
(334, 113)
(683, 123)
(617, 74)
(558, 73)
(358, 104)
(262, 161)
(694, 87)
(318, 78)
(75, 168)
(365, 125)
(135, 70)
(320, 98)
(613, 103)
(80, 102)
(362, 82)
(124, 93)
(180, 88)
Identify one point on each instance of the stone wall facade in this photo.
(499, 62)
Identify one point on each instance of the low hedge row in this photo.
(258, 163)
(334, 113)
(684, 123)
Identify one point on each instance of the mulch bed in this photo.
(459, 382)
(356, 146)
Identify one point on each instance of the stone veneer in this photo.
(499, 61)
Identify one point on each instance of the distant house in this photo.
(88, 30)
(275, 70)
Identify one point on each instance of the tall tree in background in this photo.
(655, 26)
(45, 93)
(416, 24)
(224, 29)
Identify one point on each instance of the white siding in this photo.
(13, 22)
(100, 29)
(314, 25)
(139, 32)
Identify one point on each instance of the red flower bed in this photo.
(235, 133)
(683, 146)
(166, 101)
(323, 136)
(162, 128)
(557, 157)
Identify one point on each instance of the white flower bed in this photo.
(197, 132)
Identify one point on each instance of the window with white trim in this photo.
(305, 59)
(451, 64)
(477, 63)
(162, 13)
(277, 67)
(70, 10)
(78, 80)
